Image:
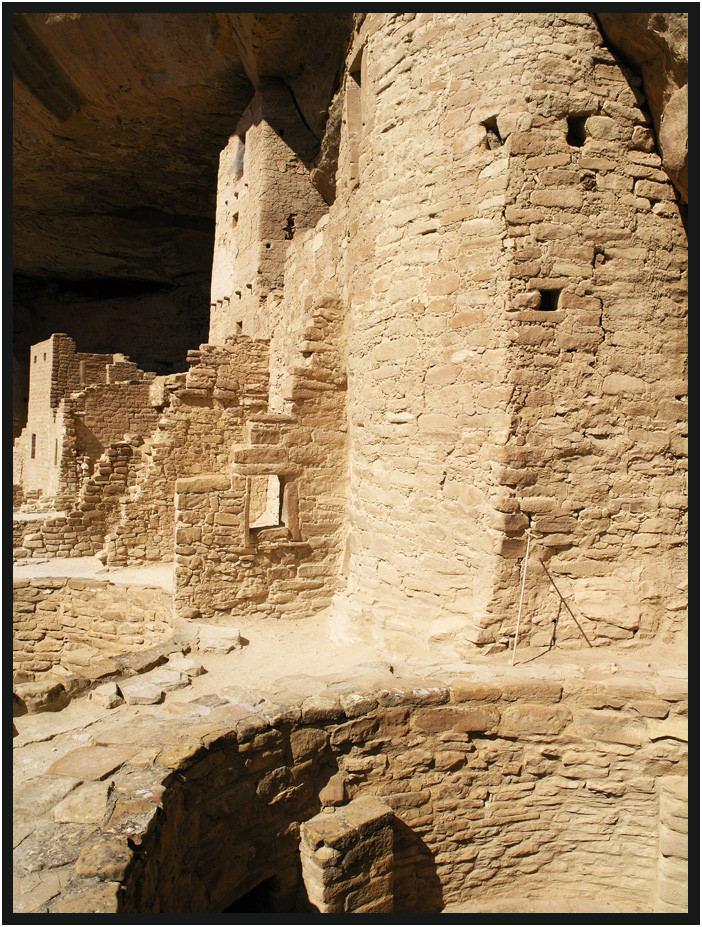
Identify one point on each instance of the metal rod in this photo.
(521, 596)
(564, 601)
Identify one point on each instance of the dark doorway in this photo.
(260, 900)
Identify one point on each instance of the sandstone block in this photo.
(457, 719)
(674, 727)
(218, 639)
(38, 794)
(608, 727)
(466, 691)
(104, 857)
(200, 484)
(519, 720)
(107, 695)
(91, 762)
(138, 692)
(307, 742)
(86, 805)
(98, 899)
(42, 695)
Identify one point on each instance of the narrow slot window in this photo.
(33, 451)
(577, 135)
(492, 133)
(238, 166)
(265, 501)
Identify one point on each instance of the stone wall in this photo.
(106, 413)
(672, 888)
(518, 788)
(79, 404)
(264, 197)
(347, 858)
(80, 531)
(235, 552)
(511, 232)
(204, 412)
(72, 623)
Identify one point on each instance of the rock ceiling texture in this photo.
(119, 119)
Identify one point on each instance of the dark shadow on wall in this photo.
(417, 888)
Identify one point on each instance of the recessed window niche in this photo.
(577, 134)
(549, 300)
(493, 139)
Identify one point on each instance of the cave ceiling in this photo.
(118, 121)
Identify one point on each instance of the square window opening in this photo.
(549, 300)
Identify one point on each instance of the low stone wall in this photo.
(80, 532)
(522, 788)
(77, 623)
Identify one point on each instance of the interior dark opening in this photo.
(549, 300)
(258, 901)
(493, 137)
(577, 135)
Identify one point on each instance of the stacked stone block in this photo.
(289, 567)
(78, 404)
(264, 199)
(511, 233)
(347, 858)
(80, 532)
(205, 412)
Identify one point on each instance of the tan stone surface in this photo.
(91, 762)
(86, 805)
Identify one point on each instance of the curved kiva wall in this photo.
(510, 789)
(515, 280)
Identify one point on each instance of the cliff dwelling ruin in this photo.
(358, 582)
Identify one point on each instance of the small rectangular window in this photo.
(549, 300)
(33, 452)
(577, 134)
(265, 501)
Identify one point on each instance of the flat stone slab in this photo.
(37, 795)
(34, 890)
(85, 805)
(91, 762)
(167, 679)
(214, 639)
(138, 692)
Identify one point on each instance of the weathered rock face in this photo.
(656, 44)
